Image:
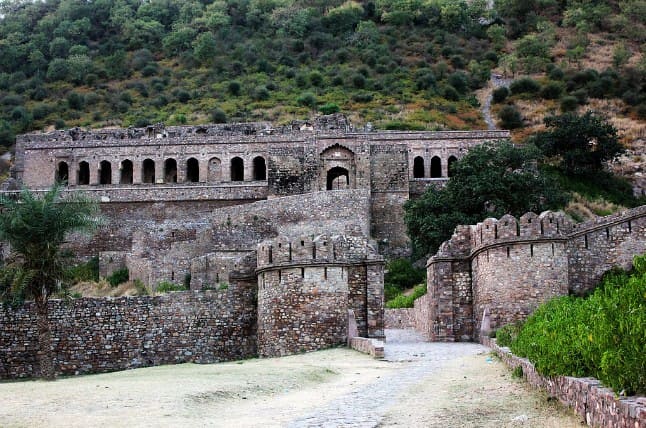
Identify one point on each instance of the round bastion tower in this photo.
(306, 286)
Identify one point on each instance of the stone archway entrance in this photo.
(338, 170)
(338, 178)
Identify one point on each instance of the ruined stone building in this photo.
(286, 228)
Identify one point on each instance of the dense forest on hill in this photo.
(399, 64)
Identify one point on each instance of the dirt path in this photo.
(419, 384)
(484, 95)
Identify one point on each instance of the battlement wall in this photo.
(513, 265)
(306, 286)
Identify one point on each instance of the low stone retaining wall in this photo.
(372, 347)
(107, 334)
(594, 403)
(399, 318)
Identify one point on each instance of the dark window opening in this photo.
(148, 171)
(126, 172)
(451, 165)
(531, 250)
(237, 169)
(105, 172)
(259, 168)
(270, 256)
(192, 170)
(62, 173)
(170, 171)
(302, 272)
(436, 167)
(507, 252)
(418, 167)
(338, 178)
(84, 173)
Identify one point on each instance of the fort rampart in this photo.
(100, 335)
(507, 267)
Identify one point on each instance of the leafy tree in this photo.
(205, 48)
(581, 144)
(492, 180)
(35, 228)
(510, 117)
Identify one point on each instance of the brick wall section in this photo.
(100, 335)
(597, 405)
(372, 347)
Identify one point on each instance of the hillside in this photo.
(397, 64)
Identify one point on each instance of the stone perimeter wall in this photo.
(508, 267)
(598, 406)
(101, 335)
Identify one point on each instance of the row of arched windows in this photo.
(420, 171)
(168, 174)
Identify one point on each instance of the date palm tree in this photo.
(35, 227)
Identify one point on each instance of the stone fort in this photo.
(281, 234)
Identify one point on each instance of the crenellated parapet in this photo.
(322, 249)
(306, 285)
(506, 267)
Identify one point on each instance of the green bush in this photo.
(551, 91)
(601, 335)
(500, 94)
(88, 271)
(569, 103)
(510, 117)
(307, 99)
(329, 108)
(167, 286)
(524, 85)
(119, 276)
(507, 334)
(402, 301)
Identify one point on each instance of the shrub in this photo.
(600, 336)
(500, 94)
(510, 117)
(551, 91)
(507, 334)
(88, 271)
(307, 99)
(569, 103)
(260, 93)
(362, 97)
(167, 287)
(218, 115)
(402, 301)
(329, 108)
(358, 81)
(316, 78)
(119, 276)
(234, 88)
(524, 85)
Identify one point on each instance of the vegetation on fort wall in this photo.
(601, 335)
(490, 181)
(406, 301)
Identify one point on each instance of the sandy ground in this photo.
(465, 391)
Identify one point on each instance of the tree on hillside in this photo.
(492, 180)
(35, 228)
(580, 144)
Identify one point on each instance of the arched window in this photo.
(436, 167)
(418, 167)
(237, 169)
(148, 171)
(105, 172)
(170, 171)
(338, 178)
(84, 173)
(126, 172)
(214, 171)
(451, 165)
(192, 170)
(259, 168)
(62, 172)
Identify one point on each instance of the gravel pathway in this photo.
(366, 406)
(496, 82)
